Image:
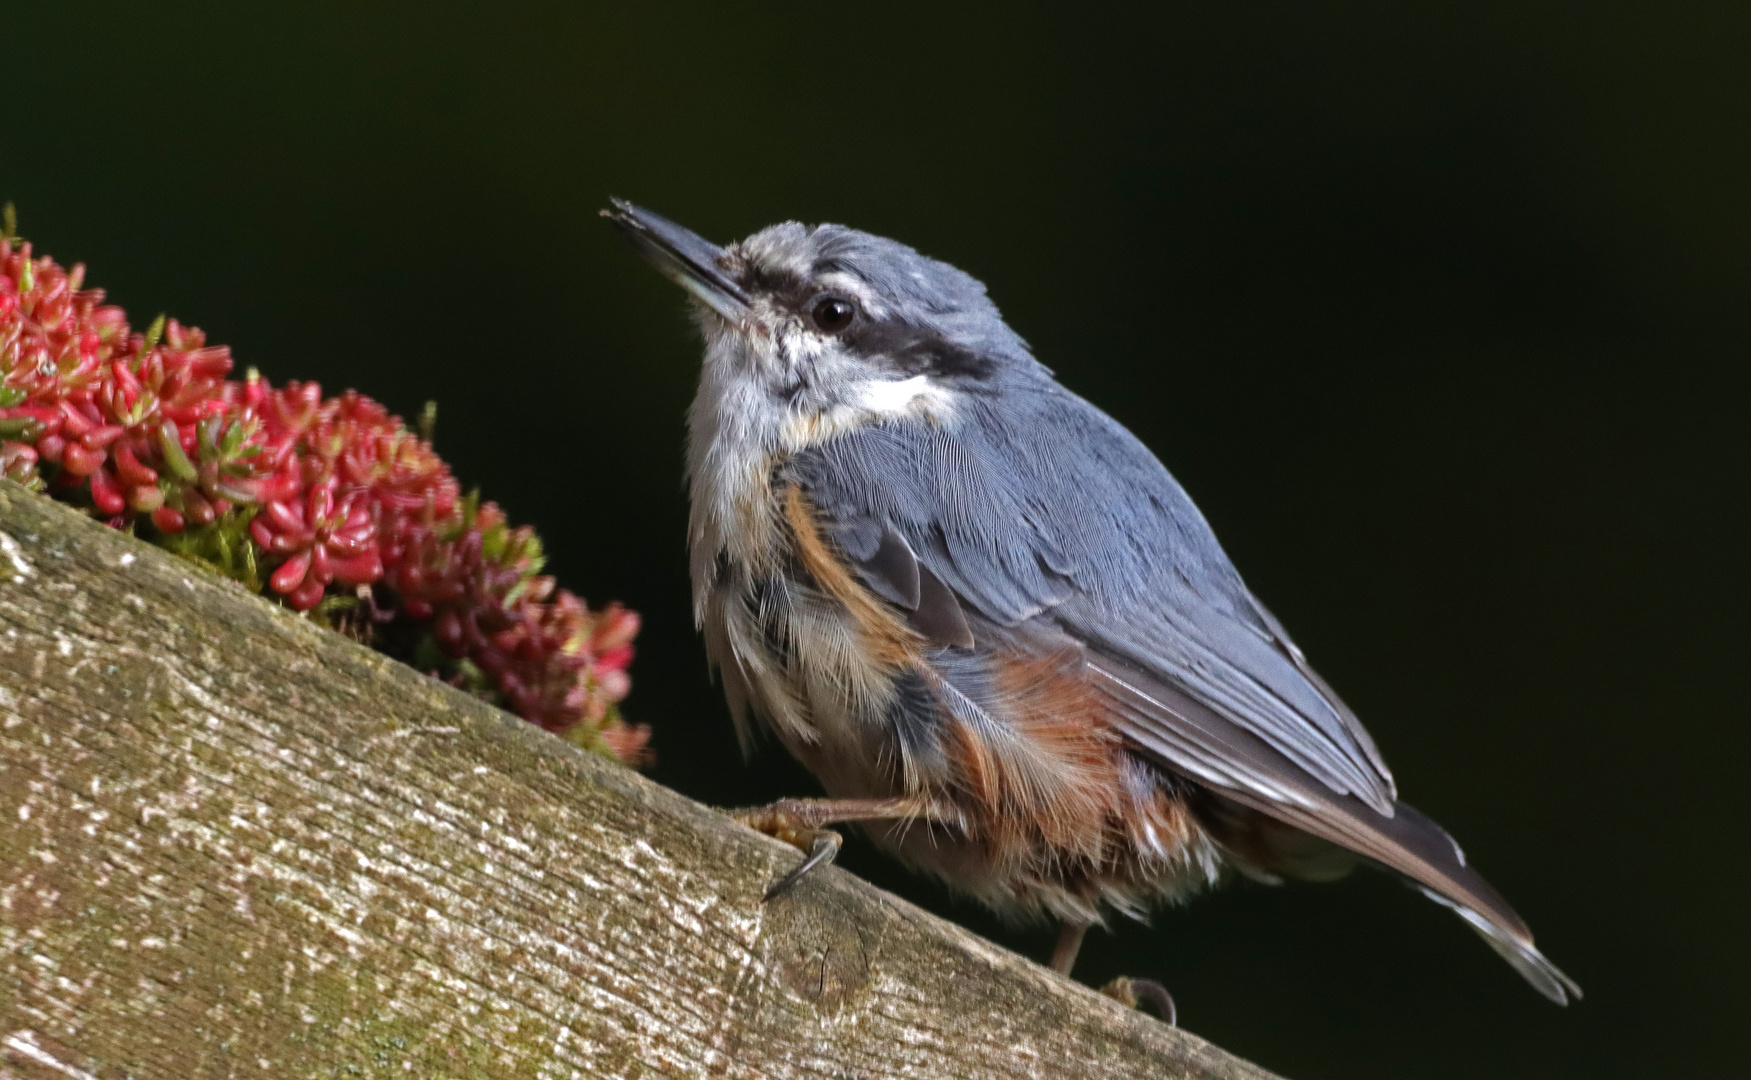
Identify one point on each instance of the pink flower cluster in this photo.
(334, 500)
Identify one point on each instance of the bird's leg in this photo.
(1069, 944)
(1132, 992)
(1136, 992)
(803, 823)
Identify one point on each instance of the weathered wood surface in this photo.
(233, 844)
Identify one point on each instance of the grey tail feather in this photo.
(1544, 976)
(1410, 844)
(1255, 775)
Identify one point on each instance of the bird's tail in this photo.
(1516, 949)
(1183, 734)
(1410, 844)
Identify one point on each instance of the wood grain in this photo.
(233, 844)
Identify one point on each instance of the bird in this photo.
(990, 622)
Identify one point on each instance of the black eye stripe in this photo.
(917, 351)
(910, 349)
(778, 282)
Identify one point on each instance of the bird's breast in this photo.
(807, 647)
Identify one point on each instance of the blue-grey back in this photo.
(1032, 503)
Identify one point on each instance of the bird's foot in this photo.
(1135, 993)
(799, 823)
(802, 823)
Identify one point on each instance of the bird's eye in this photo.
(833, 313)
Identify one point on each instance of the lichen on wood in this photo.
(234, 844)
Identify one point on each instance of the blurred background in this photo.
(1436, 309)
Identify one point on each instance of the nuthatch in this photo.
(987, 619)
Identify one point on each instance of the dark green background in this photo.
(1433, 307)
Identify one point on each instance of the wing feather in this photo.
(1045, 518)
(1048, 506)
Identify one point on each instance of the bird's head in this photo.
(830, 326)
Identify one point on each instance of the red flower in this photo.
(322, 539)
(18, 463)
(330, 495)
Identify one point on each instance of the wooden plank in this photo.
(233, 844)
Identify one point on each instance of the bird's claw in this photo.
(823, 845)
(791, 825)
(1134, 993)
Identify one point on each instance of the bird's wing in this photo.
(1052, 510)
(1050, 519)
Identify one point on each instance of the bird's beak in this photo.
(683, 256)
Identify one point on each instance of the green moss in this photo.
(223, 547)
